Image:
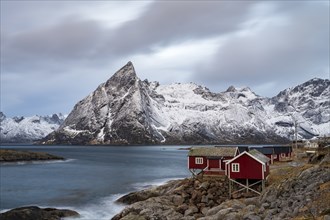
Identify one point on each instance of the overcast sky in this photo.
(54, 53)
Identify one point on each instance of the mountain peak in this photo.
(246, 89)
(231, 89)
(2, 116)
(124, 76)
(127, 70)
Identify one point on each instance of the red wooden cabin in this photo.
(248, 167)
(210, 160)
(281, 153)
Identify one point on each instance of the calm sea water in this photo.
(91, 179)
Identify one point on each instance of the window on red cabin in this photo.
(199, 160)
(235, 167)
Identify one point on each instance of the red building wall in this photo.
(214, 163)
(193, 165)
(279, 156)
(223, 163)
(249, 168)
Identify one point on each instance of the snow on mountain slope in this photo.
(27, 129)
(126, 110)
(308, 105)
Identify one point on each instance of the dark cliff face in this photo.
(115, 113)
(127, 111)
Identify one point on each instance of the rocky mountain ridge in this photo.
(125, 110)
(21, 129)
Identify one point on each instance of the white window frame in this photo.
(199, 160)
(235, 167)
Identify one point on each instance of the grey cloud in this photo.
(166, 23)
(68, 41)
(284, 53)
(75, 39)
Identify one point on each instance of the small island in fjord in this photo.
(19, 156)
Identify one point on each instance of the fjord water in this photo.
(91, 179)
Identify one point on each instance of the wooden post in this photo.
(262, 185)
(244, 186)
(229, 188)
(247, 185)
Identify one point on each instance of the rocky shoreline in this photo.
(293, 192)
(18, 156)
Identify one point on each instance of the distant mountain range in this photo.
(27, 129)
(125, 110)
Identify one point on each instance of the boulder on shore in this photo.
(178, 199)
(36, 213)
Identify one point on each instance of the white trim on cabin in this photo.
(199, 160)
(225, 169)
(235, 167)
(245, 152)
(208, 162)
(271, 159)
(236, 152)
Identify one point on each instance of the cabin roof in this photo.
(281, 149)
(256, 155)
(241, 149)
(213, 151)
(263, 150)
(260, 156)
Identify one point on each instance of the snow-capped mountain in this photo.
(126, 110)
(27, 129)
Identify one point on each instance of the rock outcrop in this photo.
(178, 199)
(304, 195)
(127, 111)
(16, 156)
(36, 213)
(301, 192)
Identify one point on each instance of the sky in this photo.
(54, 53)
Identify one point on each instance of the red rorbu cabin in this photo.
(248, 167)
(210, 160)
(282, 153)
